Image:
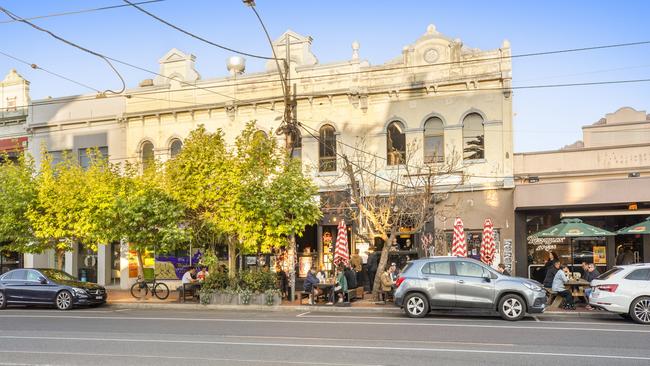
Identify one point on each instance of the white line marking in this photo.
(370, 340)
(326, 346)
(179, 358)
(303, 314)
(300, 321)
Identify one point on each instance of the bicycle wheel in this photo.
(161, 291)
(139, 290)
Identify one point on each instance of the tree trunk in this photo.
(291, 253)
(381, 267)
(231, 258)
(140, 264)
(60, 254)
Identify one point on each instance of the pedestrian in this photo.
(387, 282)
(591, 274)
(357, 267)
(394, 273)
(501, 268)
(560, 279)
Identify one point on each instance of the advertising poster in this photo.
(600, 256)
(304, 266)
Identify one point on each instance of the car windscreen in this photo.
(56, 275)
(609, 273)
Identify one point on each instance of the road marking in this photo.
(323, 346)
(301, 321)
(179, 358)
(303, 314)
(536, 319)
(371, 340)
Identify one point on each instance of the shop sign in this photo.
(533, 240)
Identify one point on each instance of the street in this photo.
(110, 336)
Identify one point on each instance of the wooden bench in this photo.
(186, 289)
(303, 295)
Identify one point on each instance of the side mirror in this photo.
(42, 280)
(487, 277)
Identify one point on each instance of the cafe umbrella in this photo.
(487, 243)
(458, 244)
(572, 228)
(341, 254)
(641, 228)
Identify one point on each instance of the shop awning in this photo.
(16, 143)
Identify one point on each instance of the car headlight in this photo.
(79, 291)
(532, 286)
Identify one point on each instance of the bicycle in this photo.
(141, 288)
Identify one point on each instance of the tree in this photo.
(385, 201)
(146, 216)
(17, 195)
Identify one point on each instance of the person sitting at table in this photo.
(501, 268)
(341, 285)
(550, 274)
(387, 282)
(189, 282)
(321, 275)
(560, 279)
(309, 286)
(591, 274)
(202, 274)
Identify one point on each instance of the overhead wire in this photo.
(202, 39)
(75, 45)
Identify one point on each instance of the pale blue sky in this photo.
(544, 118)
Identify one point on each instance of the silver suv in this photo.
(464, 283)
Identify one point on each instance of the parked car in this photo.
(47, 287)
(624, 290)
(464, 283)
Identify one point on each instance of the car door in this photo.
(14, 283)
(37, 291)
(636, 283)
(440, 283)
(474, 285)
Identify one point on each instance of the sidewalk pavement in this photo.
(122, 299)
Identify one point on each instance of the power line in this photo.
(17, 18)
(194, 35)
(80, 11)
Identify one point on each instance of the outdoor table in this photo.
(326, 287)
(577, 288)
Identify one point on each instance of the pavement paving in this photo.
(118, 336)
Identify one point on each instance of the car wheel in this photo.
(416, 305)
(63, 300)
(640, 310)
(3, 301)
(512, 307)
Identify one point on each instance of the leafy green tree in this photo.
(17, 194)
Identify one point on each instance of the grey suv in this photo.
(464, 283)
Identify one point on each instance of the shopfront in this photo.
(9, 260)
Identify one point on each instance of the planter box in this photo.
(222, 298)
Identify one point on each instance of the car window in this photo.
(17, 275)
(469, 269)
(639, 275)
(33, 276)
(437, 268)
(609, 273)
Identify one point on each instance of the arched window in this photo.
(147, 154)
(327, 149)
(473, 137)
(294, 143)
(175, 148)
(395, 143)
(434, 140)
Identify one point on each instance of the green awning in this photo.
(640, 228)
(572, 228)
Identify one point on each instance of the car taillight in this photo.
(608, 288)
(399, 281)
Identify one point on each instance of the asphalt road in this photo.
(106, 336)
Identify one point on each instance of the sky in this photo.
(544, 118)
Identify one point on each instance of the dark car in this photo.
(48, 287)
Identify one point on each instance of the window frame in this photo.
(647, 275)
(428, 264)
(483, 269)
(474, 137)
(440, 158)
(145, 161)
(171, 147)
(327, 149)
(394, 156)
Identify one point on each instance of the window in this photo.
(473, 137)
(434, 151)
(86, 155)
(18, 275)
(395, 144)
(609, 273)
(639, 275)
(33, 276)
(327, 149)
(147, 154)
(469, 269)
(175, 148)
(58, 156)
(437, 268)
(11, 104)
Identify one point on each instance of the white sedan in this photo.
(624, 290)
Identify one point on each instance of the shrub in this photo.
(258, 281)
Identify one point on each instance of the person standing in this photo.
(560, 279)
(355, 263)
(373, 263)
(550, 274)
(387, 282)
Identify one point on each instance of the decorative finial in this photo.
(431, 29)
(355, 50)
(505, 44)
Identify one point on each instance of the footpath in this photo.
(122, 299)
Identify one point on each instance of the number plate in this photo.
(98, 297)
